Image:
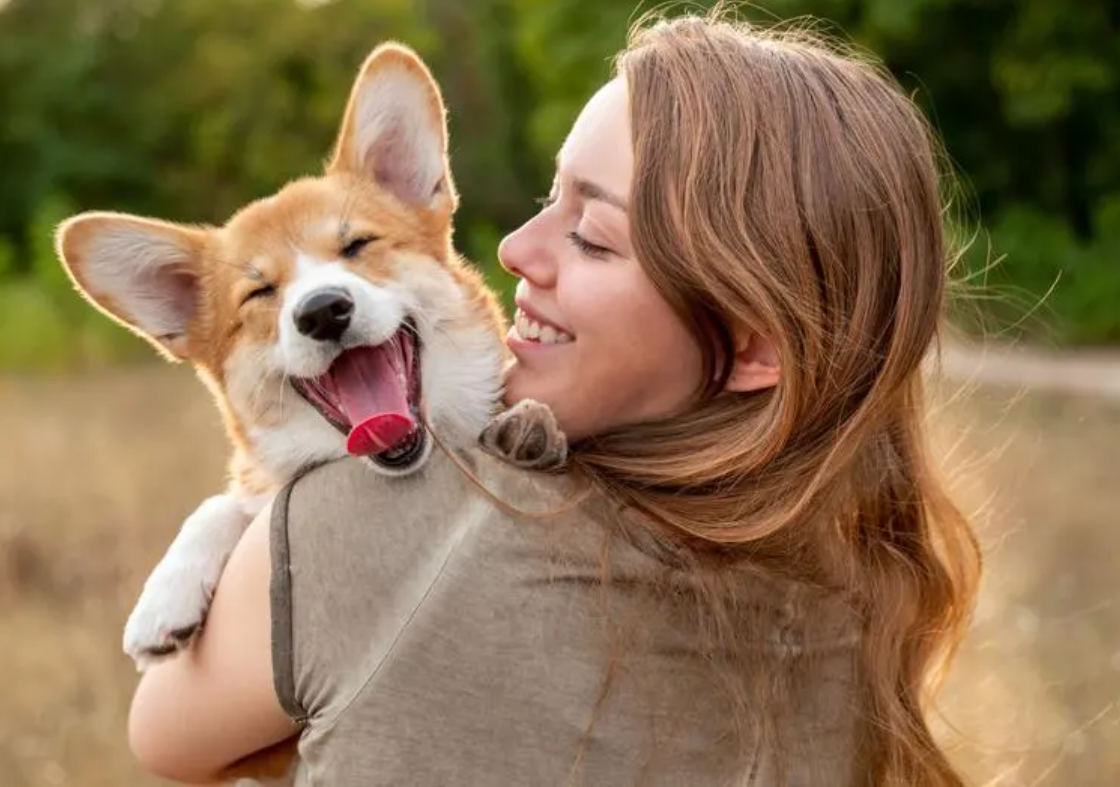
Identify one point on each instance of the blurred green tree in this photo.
(187, 109)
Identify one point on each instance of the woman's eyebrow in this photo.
(590, 190)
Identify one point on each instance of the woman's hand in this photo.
(213, 704)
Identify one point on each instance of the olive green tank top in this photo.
(424, 636)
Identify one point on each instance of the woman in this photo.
(743, 248)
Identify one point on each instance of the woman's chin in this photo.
(518, 389)
(520, 384)
(517, 393)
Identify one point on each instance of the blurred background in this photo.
(187, 109)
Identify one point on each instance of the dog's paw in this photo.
(168, 615)
(526, 435)
(177, 595)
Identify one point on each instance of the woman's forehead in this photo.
(598, 148)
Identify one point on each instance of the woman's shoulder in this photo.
(447, 485)
(443, 475)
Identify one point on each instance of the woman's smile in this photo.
(529, 327)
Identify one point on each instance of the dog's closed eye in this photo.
(354, 247)
(264, 291)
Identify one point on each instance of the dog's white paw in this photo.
(169, 613)
(177, 595)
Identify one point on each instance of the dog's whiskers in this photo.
(446, 334)
(259, 392)
(284, 385)
(349, 203)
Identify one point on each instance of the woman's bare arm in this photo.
(202, 710)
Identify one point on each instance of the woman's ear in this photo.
(755, 366)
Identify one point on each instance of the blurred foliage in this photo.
(186, 109)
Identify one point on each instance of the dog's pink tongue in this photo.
(373, 390)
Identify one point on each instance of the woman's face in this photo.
(592, 338)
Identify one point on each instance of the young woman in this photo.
(740, 268)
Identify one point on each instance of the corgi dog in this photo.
(331, 318)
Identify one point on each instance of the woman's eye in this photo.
(264, 291)
(587, 247)
(354, 247)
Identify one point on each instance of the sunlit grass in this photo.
(98, 471)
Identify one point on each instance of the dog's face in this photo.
(333, 316)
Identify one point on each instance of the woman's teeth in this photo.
(531, 330)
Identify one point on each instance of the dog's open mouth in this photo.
(372, 395)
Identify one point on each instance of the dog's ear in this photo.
(143, 273)
(395, 130)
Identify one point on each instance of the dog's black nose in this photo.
(324, 315)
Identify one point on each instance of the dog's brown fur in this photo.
(209, 276)
(256, 246)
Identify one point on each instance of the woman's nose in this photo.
(527, 253)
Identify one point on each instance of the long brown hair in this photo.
(787, 187)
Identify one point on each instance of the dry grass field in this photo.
(96, 473)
